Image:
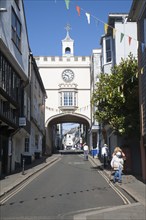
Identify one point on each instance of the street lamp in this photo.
(3, 10)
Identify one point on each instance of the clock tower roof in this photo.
(67, 43)
(67, 38)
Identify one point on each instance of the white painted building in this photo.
(14, 73)
(95, 72)
(67, 80)
(22, 94)
(38, 95)
(119, 41)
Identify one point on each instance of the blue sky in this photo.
(46, 21)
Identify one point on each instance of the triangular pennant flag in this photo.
(141, 70)
(67, 3)
(114, 32)
(88, 17)
(105, 28)
(129, 38)
(142, 47)
(122, 35)
(78, 10)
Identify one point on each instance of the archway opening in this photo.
(67, 50)
(67, 132)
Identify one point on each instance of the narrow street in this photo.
(68, 187)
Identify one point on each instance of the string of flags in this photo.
(52, 109)
(106, 26)
(58, 110)
(114, 31)
(120, 88)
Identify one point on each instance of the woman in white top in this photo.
(117, 163)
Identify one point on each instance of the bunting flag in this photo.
(78, 10)
(105, 24)
(114, 32)
(141, 70)
(129, 38)
(105, 28)
(67, 3)
(122, 35)
(88, 17)
(142, 47)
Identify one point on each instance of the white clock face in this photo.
(68, 75)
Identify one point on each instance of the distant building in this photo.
(38, 96)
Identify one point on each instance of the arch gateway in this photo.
(69, 82)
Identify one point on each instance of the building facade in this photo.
(17, 91)
(114, 48)
(67, 80)
(116, 44)
(14, 52)
(97, 140)
(119, 41)
(38, 95)
(138, 14)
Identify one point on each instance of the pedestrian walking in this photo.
(105, 154)
(117, 163)
(86, 151)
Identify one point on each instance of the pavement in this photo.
(10, 182)
(134, 211)
(131, 184)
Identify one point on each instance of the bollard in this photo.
(23, 166)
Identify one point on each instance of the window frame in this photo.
(68, 98)
(26, 145)
(16, 30)
(108, 58)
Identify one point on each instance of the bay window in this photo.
(68, 99)
(108, 50)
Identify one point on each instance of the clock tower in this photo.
(67, 44)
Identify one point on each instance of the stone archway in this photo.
(51, 125)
